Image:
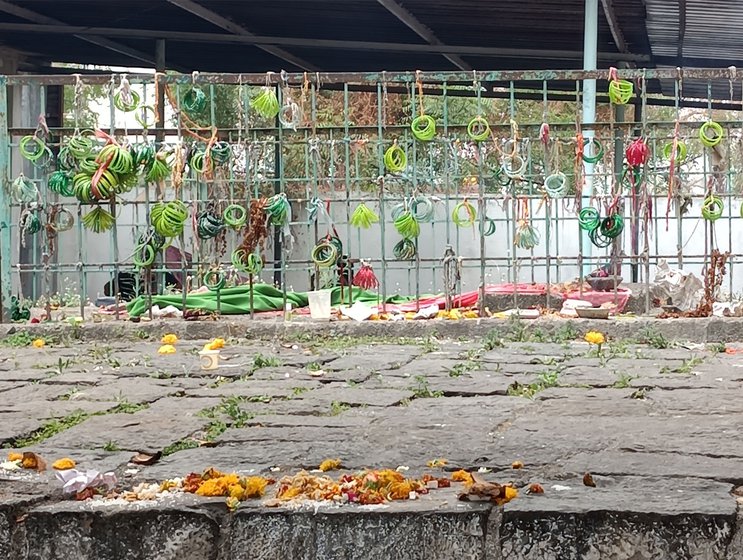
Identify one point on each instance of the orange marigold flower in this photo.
(15, 456)
(517, 465)
(39, 343)
(330, 465)
(64, 464)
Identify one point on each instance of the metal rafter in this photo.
(217, 38)
(616, 30)
(421, 30)
(29, 15)
(214, 18)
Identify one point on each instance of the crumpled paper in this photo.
(359, 311)
(684, 289)
(75, 481)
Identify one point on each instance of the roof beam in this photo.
(29, 15)
(682, 31)
(187, 36)
(215, 19)
(421, 30)
(616, 31)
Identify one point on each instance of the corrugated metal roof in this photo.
(545, 24)
(707, 33)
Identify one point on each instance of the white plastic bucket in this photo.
(319, 304)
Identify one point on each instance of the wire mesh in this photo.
(506, 200)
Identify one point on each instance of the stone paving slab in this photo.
(659, 428)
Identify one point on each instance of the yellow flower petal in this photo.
(166, 349)
(39, 343)
(15, 456)
(64, 464)
(169, 339)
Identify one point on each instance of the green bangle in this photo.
(125, 105)
(681, 151)
(32, 147)
(147, 257)
(80, 146)
(478, 129)
(621, 91)
(712, 208)
(215, 280)
(395, 159)
(404, 250)
(325, 254)
(235, 216)
(423, 127)
(598, 152)
(141, 116)
(708, 140)
(489, 227)
(588, 219)
(194, 101)
(470, 214)
(556, 185)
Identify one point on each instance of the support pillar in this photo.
(590, 57)
(6, 255)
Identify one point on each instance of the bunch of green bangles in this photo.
(601, 232)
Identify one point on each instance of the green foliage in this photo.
(17, 340)
(421, 389)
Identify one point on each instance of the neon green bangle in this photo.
(710, 141)
(235, 216)
(395, 159)
(423, 127)
(478, 129)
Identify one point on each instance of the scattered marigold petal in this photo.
(169, 339)
(64, 464)
(536, 488)
(462, 476)
(330, 465)
(436, 463)
(588, 480)
(166, 349)
(15, 456)
(509, 493)
(39, 343)
(517, 465)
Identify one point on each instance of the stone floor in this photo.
(660, 429)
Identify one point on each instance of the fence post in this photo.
(6, 254)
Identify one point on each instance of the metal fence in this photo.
(495, 190)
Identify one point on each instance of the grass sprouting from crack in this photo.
(421, 390)
(59, 425)
(545, 380)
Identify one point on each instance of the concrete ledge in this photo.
(700, 330)
(436, 527)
